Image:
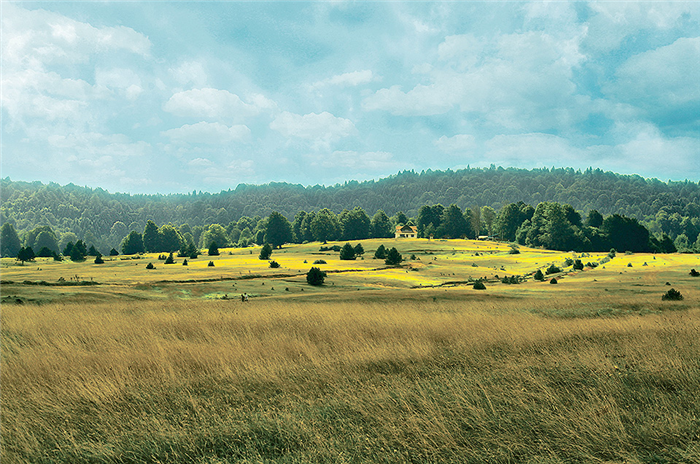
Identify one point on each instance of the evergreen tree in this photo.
(315, 276)
(347, 252)
(325, 226)
(355, 224)
(170, 238)
(98, 258)
(170, 259)
(381, 226)
(25, 254)
(113, 252)
(213, 249)
(359, 249)
(92, 251)
(380, 253)
(78, 251)
(393, 257)
(9, 241)
(453, 223)
(151, 238)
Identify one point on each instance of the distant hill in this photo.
(82, 210)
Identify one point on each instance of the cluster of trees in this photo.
(104, 219)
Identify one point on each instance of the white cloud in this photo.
(350, 79)
(126, 81)
(320, 128)
(208, 133)
(210, 103)
(190, 72)
(36, 37)
(87, 145)
(668, 75)
(465, 49)
(456, 143)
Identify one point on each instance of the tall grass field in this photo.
(212, 382)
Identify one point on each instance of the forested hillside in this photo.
(104, 218)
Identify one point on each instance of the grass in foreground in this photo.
(210, 382)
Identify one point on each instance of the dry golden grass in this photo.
(416, 381)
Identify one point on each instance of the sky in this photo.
(171, 97)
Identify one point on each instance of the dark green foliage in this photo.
(510, 280)
(213, 249)
(185, 263)
(626, 233)
(354, 225)
(150, 266)
(479, 285)
(169, 259)
(553, 280)
(211, 264)
(514, 249)
(194, 255)
(578, 265)
(427, 216)
(553, 269)
(347, 252)
(325, 226)
(594, 219)
(98, 258)
(453, 224)
(9, 241)
(78, 251)
(92, 251)
(315, 276)
(320, 261)
(151, 237)
(330, 248)
(694, 273)
(381, 226)
(274, 264)
(629, 264)
(393, 257)
(568, 262)
(45, 238)
(279, 230)
(359, 249)
(265, 252)
(132, 244)
(113, 252)
(380, 253)
(25, 254)
(672, 295)
(45, 253)
(67, 249)
(539, 276)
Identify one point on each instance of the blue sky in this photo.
(160, 97)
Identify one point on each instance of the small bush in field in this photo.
(479, 285)
(184, 263)
(274, 264)
(552, 269)
(320, 261)
(694, 273)
(211, 264)
(672, 295)
(315, 276)
(539, 276)
(150, 266)
(553, 281)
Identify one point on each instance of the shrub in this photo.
(672, 295)
(315, 276)
(170, 259)
(211, 264)
(44, 253)
(568, 262)
(98, 258)
(539, 276)
(265, 252)
(629, 264)
(380, 253)
(194, 255)
(184, 263)
(320, 261)
(612, 253)
(694, 273)
(592, 264)
(553, 280)
(479, 285)
(359, 249)
(510, 280)
(578, 265)
(347, 252)
(150, 266)
(113, 252)
(552, 269)
(274, 264)
(514, 249)
(331, 248)
(393, 257)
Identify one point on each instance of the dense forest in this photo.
(669, 211)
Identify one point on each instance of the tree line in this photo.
(103, 219)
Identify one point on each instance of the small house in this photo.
(406, 232)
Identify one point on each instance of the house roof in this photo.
(407, 229)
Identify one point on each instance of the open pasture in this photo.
(431, 269)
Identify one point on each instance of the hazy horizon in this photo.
(151, 97)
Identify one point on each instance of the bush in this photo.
(479, 285)
(274, 264)
(170, 259)
(315, 276)
(332, 248)
(194, 255)
(568, 262)
(578, 265)
(672, 295)
(393, 257)
(320, 261)
(184, 263)
(510, 280)
(629, 264)
(380, 253)
(612, 253)
(539, 276)
(359, 249)
(514, 249)
(211, 264)
(553, 280)
(347, 252)
(150, 266)
(113, 252)
(552, 269)
(98, 258)
(265, 252)
(694, 273)
(44, 253)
